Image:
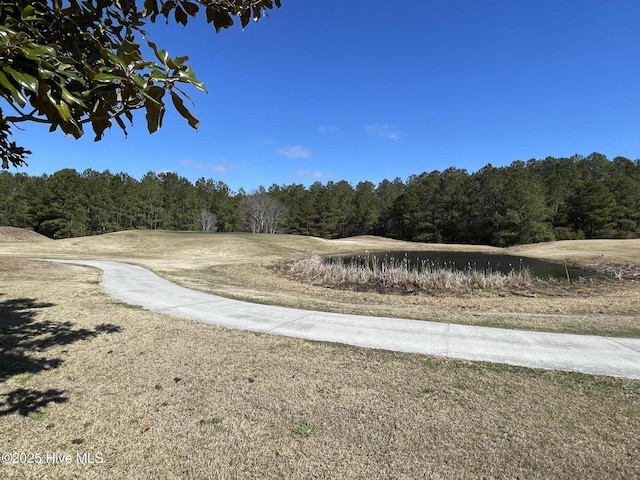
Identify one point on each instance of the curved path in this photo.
(619, 357)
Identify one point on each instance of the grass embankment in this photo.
(241, 266)
(13, 234)
(162, 398)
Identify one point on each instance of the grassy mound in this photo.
(13, 234)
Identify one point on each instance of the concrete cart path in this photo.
(619, 357)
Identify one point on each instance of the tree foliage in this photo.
(69, 63)
(533, 201)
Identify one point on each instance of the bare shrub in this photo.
(262, 213)
(207, 220)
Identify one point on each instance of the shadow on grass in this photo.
(26, 401)
(24, 339)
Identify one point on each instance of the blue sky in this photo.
(367, 90)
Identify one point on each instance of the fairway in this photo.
(159, 397)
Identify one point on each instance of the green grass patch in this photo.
(304, 429)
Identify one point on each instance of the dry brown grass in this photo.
(584, 251)
(162, 398)
(398, 275)
(13, 234)
(191, 249)
(240, 266)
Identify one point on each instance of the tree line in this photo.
(533, 201)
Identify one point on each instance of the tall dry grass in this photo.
(400, 274)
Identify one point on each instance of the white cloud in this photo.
(385, 130)
(295, 151)
(315, 174)
(327, 128)
(220, 167)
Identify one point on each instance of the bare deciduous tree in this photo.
(207, 220)
(261, 213)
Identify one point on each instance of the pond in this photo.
(461, 261)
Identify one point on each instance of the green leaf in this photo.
(156, 93)
(69, 71)
(28, 13)
(121, 125)
(113, 58)
(99, 120)
(179, 104)
(71, 128)
(151, 9)
(68, 123)
(180, 16)
(45, 73)
(219, 19)
(162, 55)
(187, 76)
(106, 78)
(61, 107)
(157, 76)
(155, 108)
(245, 18)
(25, 80)
(154, 116)
(139, 82)
(191, 8)
(15, 93)
(70, 99)
(257, 13)
(129, 51)
(177, 62)
(167, 7)
(37, 52)
(199, 85)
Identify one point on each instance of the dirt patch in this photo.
(612, 270)
(163, 398)
(13, 234)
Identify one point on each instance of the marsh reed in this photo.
(401, 274)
